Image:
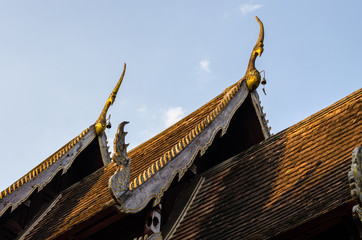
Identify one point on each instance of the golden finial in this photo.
(101, 123)
(252, 75)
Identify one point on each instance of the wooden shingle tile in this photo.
(292, 177)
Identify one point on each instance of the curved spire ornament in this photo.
(101, 123)
(252, 75)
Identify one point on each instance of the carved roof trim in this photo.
(48, 168)
(164, 170)
(260, 114)
(186, 140)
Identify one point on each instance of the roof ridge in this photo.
(43, 165)
(228, 93)
(181, 120)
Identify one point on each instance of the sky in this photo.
(60, 60)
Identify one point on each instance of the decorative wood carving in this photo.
(135, 199)
(355, 180)
(153, 220)
(155, 236)
(119, 182)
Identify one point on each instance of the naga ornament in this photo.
(119, 182)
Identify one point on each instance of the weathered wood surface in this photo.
(135, 200)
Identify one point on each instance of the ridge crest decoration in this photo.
(119, 182)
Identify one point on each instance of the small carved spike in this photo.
(219, 108)
(187, 140)
(172, 152)
(202, 125)
(208, 119)
(140, 179)
(211, 116)
(183, 142)
(149, 172)
(153, 168)
(193, 133)
(164, 161)
(196, 130)
(179, 147)
(157, 167)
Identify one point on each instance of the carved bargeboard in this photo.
(355, 180)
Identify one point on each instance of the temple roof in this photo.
(92, 195)
(43, 174)
(291, 178)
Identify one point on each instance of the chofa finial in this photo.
(252, 75)
(101, 122)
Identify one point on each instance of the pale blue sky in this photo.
(59, 61)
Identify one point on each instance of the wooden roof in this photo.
(60, 160)
(289, 179)
(92, 195)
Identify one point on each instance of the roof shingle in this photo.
(291, 178)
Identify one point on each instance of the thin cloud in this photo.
(249, 7)
(172, 115)
(205, 66)
(142, 111)
(204, 73)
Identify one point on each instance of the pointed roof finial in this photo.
(252, 75)
(101, 123)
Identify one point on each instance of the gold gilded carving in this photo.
(252, 75)
(101, 123)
